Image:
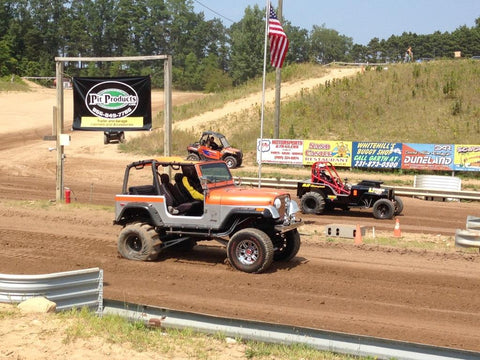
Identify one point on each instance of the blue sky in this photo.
(360, 20)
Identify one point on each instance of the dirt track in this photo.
(413, 295)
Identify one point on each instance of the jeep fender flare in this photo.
(136, 210)
(245, 214)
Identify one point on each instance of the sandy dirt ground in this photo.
(424, 296)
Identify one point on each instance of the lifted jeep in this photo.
(257, 226)
(327, 191)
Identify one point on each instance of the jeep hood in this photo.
(243, 196)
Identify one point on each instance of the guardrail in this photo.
(401, 191)
(343, 343)
(470, 237)
(72, 289)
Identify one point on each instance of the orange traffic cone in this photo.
(396, 231)
(358, 236)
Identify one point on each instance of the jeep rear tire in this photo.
(139, 241)
(231, 162)
(312, 203)
(250, 250)
(289, 246)
(383, 209)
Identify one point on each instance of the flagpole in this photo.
(267, 12)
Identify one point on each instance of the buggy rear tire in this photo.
(139, 241)
(383, 209)
(250, 250)
(193, 157)
(398, 205)
(289, 246)
(231, 162)
(312, 203)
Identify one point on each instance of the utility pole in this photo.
(278, 81)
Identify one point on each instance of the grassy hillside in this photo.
(434, 102)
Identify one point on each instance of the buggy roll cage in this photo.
(329, 176)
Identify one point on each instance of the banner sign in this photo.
(339, 153)
(427, 156)
(280, 151)
(365, 154)
(467, 158)
(377, 155)
(105, 104)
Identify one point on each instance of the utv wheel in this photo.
(288, 247)
(122, 137)
(193, 157)
(139, 241)
(312, 203)
(250, 250)
(231, 162)
(383, 209)
(398, 205)
(105, 139)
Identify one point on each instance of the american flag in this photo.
(278, 40)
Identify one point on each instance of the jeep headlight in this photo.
(277, 203)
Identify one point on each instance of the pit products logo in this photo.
(111, 100)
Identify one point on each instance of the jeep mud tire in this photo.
(193, 157)
(231, 162)
(383, 209)
(288, 246)
(139, 241)
(250, 250)
(398, 205)
(312, 203)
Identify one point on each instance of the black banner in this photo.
(105, 104)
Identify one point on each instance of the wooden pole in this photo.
(167, 81)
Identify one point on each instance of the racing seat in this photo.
(174, 207)
(197, 205)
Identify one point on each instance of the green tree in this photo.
(328, 45)
(247, 38)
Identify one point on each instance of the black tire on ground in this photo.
(105, 139)
(231, 162)
(288, 247)
(398, 205)
(250, 250)
(383, 209)
(122, 137)
(312, 203)
(139, 241)
(193, 157)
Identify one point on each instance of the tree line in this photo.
(206, 54)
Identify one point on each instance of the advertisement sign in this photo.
(339, 153)
(105, 104)
(377, 155)
(280, 151)
(427, 156)
(467, 158)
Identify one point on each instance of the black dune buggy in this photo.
(326, 191)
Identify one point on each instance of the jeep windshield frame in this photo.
(216, 172)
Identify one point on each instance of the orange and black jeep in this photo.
(257, 226)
